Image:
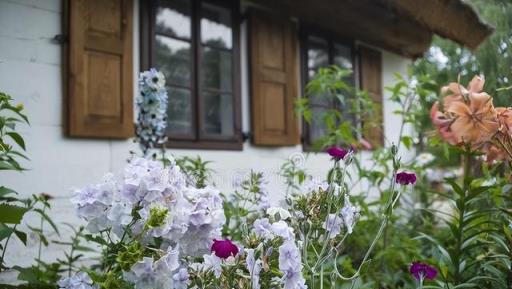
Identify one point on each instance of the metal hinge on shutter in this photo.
(60, 39)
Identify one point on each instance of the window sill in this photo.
(206, 145)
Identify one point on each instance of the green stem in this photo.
(462, 211)
(5, 247)
(40, 241)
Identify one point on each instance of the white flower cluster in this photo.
(152, 110)
(163, 273)
(347, 216)
(81, 280)
(193, 217)
(290, 262)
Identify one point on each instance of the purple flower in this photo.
(405, 178)
(224, 248)
(423, 271)
(337, 153)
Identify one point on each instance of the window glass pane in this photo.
(173, 59)
(318, 54)
(218, 114)
(173, 18)
(216, 67)
(317, 127)
(179, 111)
(343, 56)
(216, 26)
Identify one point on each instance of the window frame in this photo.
(198, 139)
(331, 38)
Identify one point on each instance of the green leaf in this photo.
(96, 239)
(7, 166)
(5, 231)
(47, 219)
(22, 236)
(17, 138)
(26, 274)
(4, 191)
(10, 214)
(407, 141)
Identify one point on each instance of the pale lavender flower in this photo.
(120, 214)
(254, 268)
(80, 280)
(181, 279)
(142, 274)
(212, 263)
(333, 225)
(349, 214)
(290, 265)
(289, 257)
(262, 229)
(282, 230)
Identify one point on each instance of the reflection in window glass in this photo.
(343, 56)
(322, 52)
(179, 111)
(216, 26)
(216, 69)
(173, 59)
(218, 114)
(317, 126)
(318, 53)
(173, 18)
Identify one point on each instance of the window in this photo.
(195, 44)
(322, 50)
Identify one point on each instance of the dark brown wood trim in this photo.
(209, 145)
(65, 66)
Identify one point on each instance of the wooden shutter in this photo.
(370, 71)
(100, 81)
(273, 80)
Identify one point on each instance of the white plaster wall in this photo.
(30, 70)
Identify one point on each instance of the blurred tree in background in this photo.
(446, 60)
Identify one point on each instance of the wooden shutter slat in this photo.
(100, 69)
(273, 80)
(370, 71)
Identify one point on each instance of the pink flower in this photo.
(405, 178)
(337, 153)
(423, 271)
(224, 248)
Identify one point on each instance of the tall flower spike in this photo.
(152, 110)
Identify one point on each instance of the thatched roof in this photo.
(402, 26)
(452, 19)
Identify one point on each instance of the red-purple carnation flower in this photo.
(423, 271)
(224, 248)
(337, 153)
(405, 178)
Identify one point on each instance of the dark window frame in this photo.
(198, 139)
(332, 38)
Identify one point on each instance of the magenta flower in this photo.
(423, 271)
(405, 178)
(224, 248)
(337, 153)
